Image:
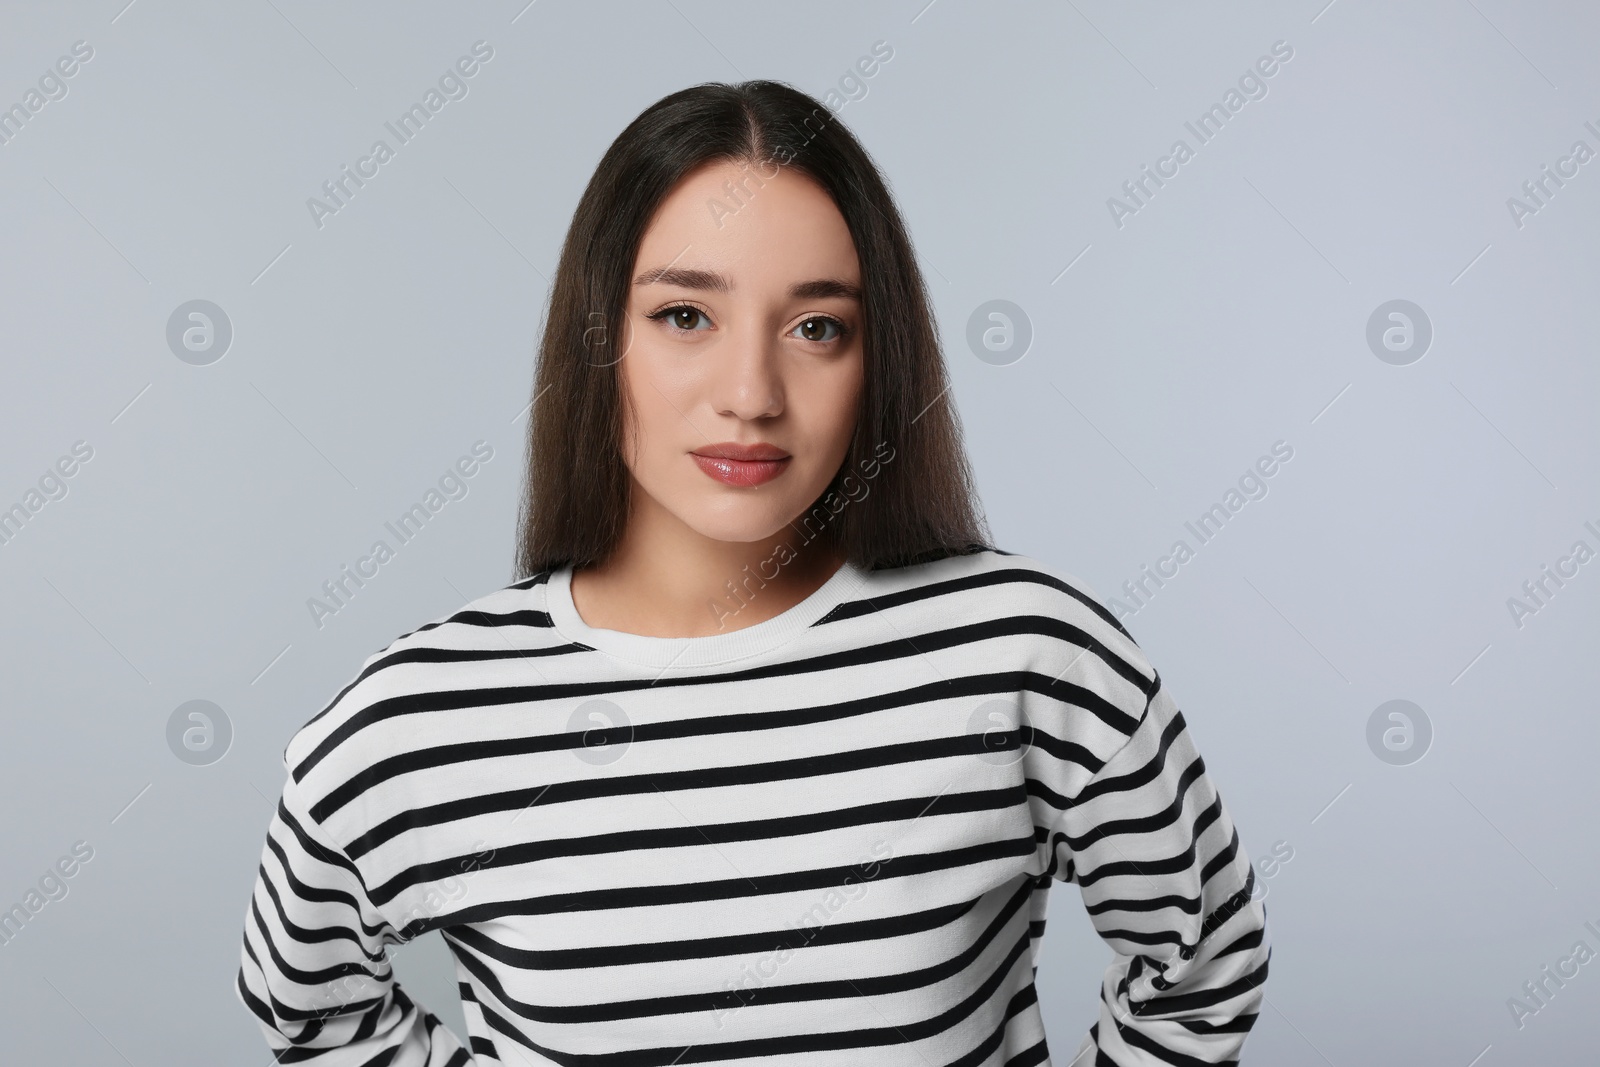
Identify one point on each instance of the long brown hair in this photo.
(905, 491)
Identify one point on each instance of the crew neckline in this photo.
(709, 649)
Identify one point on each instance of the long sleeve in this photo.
(314, 965)
(1167, 885)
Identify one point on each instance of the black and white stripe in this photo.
(832, 848)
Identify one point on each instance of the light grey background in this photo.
(1167, 354)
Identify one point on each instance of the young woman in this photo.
(770, 757)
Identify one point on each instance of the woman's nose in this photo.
(748, 381)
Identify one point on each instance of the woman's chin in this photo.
(742, 524)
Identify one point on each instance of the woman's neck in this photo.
(659, 589)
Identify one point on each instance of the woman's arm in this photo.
(314, 966)
(1167, 885)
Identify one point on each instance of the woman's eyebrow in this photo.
(821, 287)
(712, 281)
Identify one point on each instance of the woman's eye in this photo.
(680, 316)
(820, 325)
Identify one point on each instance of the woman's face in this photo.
(742, 328)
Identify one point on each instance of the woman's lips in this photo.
(741, 472)
(744, 465)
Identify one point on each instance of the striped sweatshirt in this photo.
(825, 839)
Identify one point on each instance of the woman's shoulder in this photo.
(1043, 603)
(1009, 580)
(385, 706)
